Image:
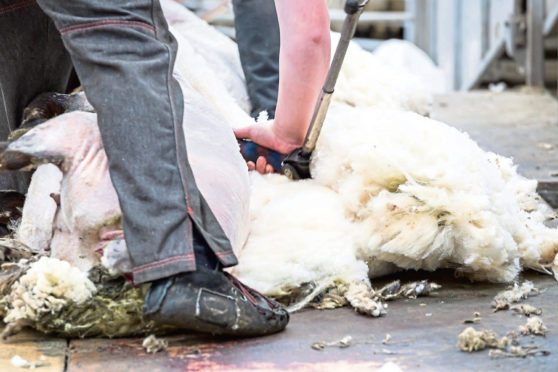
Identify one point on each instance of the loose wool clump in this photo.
(515, 294)
(473, 340)
(48, 286)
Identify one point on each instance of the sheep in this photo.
(390, 190)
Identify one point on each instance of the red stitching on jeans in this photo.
(106, 25)
(163, 260)
(67, 28)
(164, 264)
(16, 6)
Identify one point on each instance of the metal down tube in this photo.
(353, 8)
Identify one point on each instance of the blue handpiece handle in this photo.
(251, 152)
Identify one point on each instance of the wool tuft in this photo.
(48, 286)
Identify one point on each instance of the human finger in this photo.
(245, 132)
(269, 169)
(260, 165)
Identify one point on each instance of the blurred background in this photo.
(495, 44)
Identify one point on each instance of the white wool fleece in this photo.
(393, 187)
(427, 196)
(366, 80)
(297, 235)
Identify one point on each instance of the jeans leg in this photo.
(257, 35)
(33, 60)
(124, 55)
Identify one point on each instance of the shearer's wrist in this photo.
(287, 140)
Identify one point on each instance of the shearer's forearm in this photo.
(303, 64)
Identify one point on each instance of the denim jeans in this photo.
(257, 35)
(124, 55)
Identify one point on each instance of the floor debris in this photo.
(500, 305)
(366, 300)
(504, 299)
(153, 345)
(526, 309)
(361, 297)
(518, 352)
(19, 362)
(546, 146)
(473, 340)
(507, 346)
(475, 320)
(333, 298)
(388, 352)
(343, 343)
(386, 340)
(534, 326)
(395, 290)
(513, 337)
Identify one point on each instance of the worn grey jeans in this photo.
(124, 55)
(257, 36)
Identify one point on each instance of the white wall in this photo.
(460, 32)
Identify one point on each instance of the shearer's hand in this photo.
(264, 135)
(303, 63)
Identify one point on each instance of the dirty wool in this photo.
(516, 293)
(391, 190)
(508, 346)
(471, 340)
(56, 298)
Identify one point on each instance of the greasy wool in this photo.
(48, 286)
(53, 297)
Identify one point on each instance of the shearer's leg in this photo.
(124, 55)
(33, 60)
(257, 36)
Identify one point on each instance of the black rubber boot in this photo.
(212, 301)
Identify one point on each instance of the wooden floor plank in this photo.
(33, 347)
